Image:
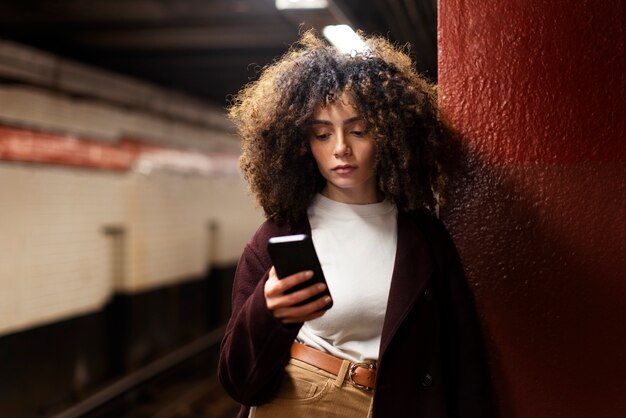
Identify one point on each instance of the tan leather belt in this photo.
(361, 375)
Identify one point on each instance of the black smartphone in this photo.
(294, 253)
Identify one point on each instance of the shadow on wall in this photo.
(543, 247)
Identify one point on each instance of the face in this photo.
(344, 152)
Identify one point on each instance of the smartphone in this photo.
(295, 253)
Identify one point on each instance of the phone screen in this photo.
(291, 254)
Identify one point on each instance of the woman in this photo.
(345, 147)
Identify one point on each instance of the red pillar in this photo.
(536, 90)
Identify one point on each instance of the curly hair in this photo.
(399, 108)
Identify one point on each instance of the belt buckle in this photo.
(352, 373)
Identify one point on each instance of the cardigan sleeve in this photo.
(256, 346)
(470, 393)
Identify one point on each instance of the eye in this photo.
(320, 136)
(358, 129)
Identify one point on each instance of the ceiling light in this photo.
(344, 39)
(301, 4)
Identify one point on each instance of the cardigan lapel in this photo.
(412, 269)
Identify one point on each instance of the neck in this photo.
(353, 197)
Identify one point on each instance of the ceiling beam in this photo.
(133, 11)
(176, 38)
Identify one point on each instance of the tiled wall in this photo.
(58, 262)
(169, 234)
(53, 252)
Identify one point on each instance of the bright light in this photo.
(301, 4)
(344, 39)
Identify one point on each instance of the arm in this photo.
(469, 390)
(264, 323)
(256, 345)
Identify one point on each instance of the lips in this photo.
(344, 169)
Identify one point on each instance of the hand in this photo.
(283, 306)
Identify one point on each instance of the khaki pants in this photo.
(308, 392)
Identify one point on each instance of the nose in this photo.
(342, 148)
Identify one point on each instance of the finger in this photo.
(300, 313)
(270, 288)
(295, 298)
(272, 281)
(304, 294)
(280, 286)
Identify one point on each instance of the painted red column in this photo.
(536, 90)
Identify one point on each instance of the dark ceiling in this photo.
(206, 48)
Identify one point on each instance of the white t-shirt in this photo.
(356, 245)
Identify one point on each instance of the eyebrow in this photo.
(329, 123)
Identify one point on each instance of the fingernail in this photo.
(327, 299)
(321, 286)
(309, 273)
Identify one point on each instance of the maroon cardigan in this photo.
(431, 362)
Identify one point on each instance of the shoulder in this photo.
(256, 246)
(268, 229)
(428, 223)
(434, 232)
